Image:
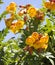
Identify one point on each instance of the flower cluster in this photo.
(14, 26)
(22, 15)
(31, 11)
(50, 5)
(37, 41)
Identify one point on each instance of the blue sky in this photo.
(35, 3)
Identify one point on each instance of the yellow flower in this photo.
(50, 5)
(42, 43)
(19, 24)
(44, 39)
(37, 45)
(47, 5)
(13, 4)
(44, 46)
(30, 40)
(8, 22)
(38, 41)
(13, 28)
(35, 35)
(53, 6)
(32, 12)
(11, 7)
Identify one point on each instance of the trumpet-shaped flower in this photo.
(32, 12)
(35, 35)
(30, 40)
(50, 5)
(11, 7)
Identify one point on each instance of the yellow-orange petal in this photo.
(44, 39)
(8, 22)
(45, 46)
(47, 5)
(32, 12)
(53, 6)
(13, 4)
(11, 7)
(37, 45)
(12, 16)
(20, 24)
(35, 35)
(30, 40)
(13, 28)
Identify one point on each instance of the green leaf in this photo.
(3, 14)
(48, 22)
(1, 2)
(52, 62)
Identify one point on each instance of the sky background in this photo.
(35, 3)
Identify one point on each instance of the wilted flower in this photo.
(52, 0)
(28, 48)
(40, 15)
